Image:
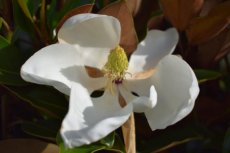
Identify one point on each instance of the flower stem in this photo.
(128, 130)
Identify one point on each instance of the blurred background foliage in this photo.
(35, 112)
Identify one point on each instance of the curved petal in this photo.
(58, 65)
(177, 90)
(141, 103)
(91, 30)
(152, 49)
(90, 119)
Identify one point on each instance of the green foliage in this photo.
(55, 16)
(206, 75)
(107, 144)
(22, 17)
(25, 9)
(46, 99)
(45, 129)
(11, 60)
(3, 42)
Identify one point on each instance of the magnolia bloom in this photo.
(153, 82)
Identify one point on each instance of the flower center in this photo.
(116, 66)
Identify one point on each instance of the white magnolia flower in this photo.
(152, 75)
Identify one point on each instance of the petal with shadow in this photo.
(90, 119)
(59, 65)
(152, 49)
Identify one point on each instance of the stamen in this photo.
(117, 64)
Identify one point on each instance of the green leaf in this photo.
(94, 147)
(55, 16)
(83, 149)
(11, 60)
(46, 99)
(206, 75)
(46, 129)
(21, 20)
(108, 140)
(33, 6)
(24, 7)
(10, 78)
(3, 41)
(50, 14)
(226, 144)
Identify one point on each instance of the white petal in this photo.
(91, 30)
(141, 103)
(90, 119)
(58, 65)
(152, 49)
(177, 88)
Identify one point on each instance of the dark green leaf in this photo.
(96, 147)
(11, 78)
(55, 16)
(3, 41)
(119, 144)
(47, 129)
(206, 75)
(24, 7)
(21, 20)
(11, 60)
(46, 99)
(109, 140)
(82, 149)
(33, 6)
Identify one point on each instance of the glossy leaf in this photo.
(45, 99)
(83, 149)
(92, 148)
(206, 75)
(27, 146)
(180, 12)
(109, 140)
(119, 144)
(205, 28)
(121, 11)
